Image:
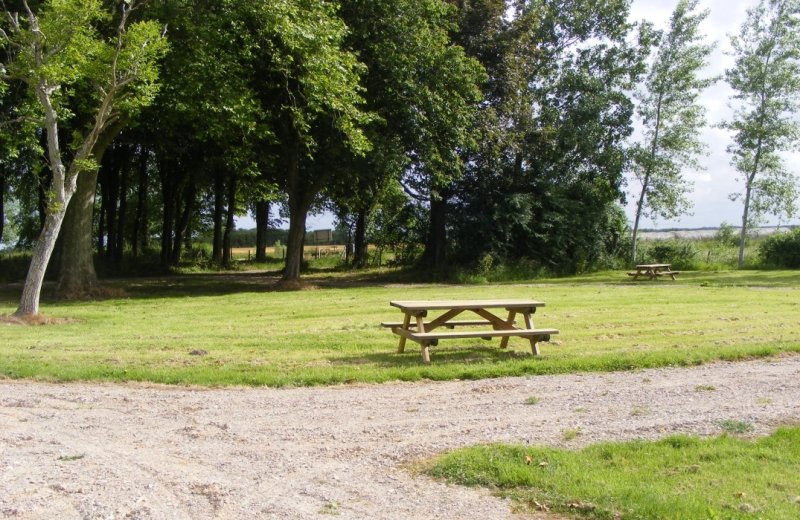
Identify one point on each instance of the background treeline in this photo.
(451, 132)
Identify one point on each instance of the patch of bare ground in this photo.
(294, 285)
(38, 319)
(147, 451)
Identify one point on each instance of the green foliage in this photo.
(677, 477)
(781, 250)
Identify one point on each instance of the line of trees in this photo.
(469, 127)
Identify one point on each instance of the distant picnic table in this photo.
(653, 271)
(416, 328)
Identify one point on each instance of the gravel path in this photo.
(141, 452)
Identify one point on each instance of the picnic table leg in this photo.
(512, 314)
(426, 355)
(529, 325)
(401, 347)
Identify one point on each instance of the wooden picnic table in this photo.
(416, 328)
(653, 271)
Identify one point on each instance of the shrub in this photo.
(781, 250)
(682, 254)
(14, 266)
(727, 235)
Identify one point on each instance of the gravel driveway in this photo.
(137, 451)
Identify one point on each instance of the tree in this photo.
(545, 183)
(766, 79)
(54, 49)
(308, 86)
(671, 117)
(424, 91)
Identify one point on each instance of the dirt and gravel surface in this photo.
(141, 452)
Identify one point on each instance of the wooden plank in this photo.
(443, 319)
(402, 345)
(449, 324)
(421, 336)
(419, 305)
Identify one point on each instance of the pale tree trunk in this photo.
(745, 215)
(31, 291)
(639, 206)
(748, 193)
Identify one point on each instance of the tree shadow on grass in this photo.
(215, 284)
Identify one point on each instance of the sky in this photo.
(718, 179)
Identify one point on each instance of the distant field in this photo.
(235, 329)
(248, 252)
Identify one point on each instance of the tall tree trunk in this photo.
(298, 211)
(139, 233)
(435, 253)
(182, 225)
(168, 192)
(227, 250)
(262, 225)
(111, 194)
(119, 245)
(219, 212)
(639, 207)
(299, 203)
(76, 275)
(101, 221)
(45, 178)
(748, 193)
(360, 254)
(31, 291)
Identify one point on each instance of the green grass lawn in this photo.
(679, 477)
(256, 336)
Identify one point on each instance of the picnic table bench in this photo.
(653, 271)
(416, 328)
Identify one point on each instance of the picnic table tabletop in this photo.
(653, 266)
(419, 305)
